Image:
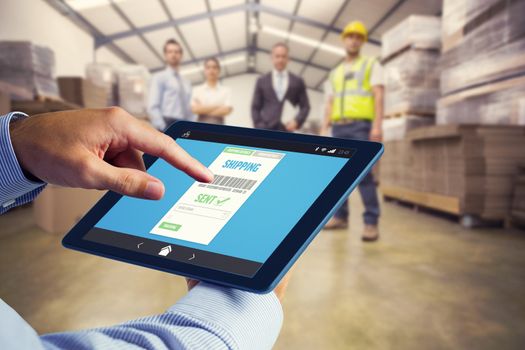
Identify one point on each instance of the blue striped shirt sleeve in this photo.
(15, 188)
(208, 317)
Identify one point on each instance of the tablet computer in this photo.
(271, 194)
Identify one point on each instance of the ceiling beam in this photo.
(386, 16)
(308, 21)
(332, 23)
(200, 60)
(254, 39)
(177, 30)
(66, 10)
(251, 53)
(141, 36)
(292, 22)
(254, 7)
(171, 22)
(215, 32)
(298, 60)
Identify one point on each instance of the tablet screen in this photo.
(261, 190)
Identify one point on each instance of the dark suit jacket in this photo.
(266, 107)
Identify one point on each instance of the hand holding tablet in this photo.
(271, 194)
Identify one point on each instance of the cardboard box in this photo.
(501, 103)
(5, 103)
(483, 42)
(103, 75)
(518, 201)
(82, 92)
(133, 81)
(397, 128)
(476, 164)
(57, 208)
(412, 83)
(416, 31)
(29, 67)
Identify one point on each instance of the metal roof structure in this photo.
(239, 32)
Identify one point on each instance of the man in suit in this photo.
(273, 89)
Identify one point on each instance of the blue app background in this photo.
(258, 227)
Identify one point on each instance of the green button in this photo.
(235, 150)
(169, 226)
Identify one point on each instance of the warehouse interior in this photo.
(448, 271)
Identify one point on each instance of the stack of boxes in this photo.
(103, 75)
(5, 103)
(518, 201)
(468, 163)
(133, 83)
(483, 63)
(410, 54)
(27, 70)
(82, 92)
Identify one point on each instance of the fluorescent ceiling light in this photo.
(303, 40)
(225, 62)
(80, 5)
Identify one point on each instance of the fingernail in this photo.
(154, 190)
(208, 174)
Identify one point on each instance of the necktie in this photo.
(182, 96)
(280, 92)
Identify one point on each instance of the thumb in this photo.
(126, 181)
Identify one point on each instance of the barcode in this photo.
(233, 182)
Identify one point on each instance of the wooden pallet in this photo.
(441, 203)
(401, 50)
(48, 98)
(407, 112)
(44, 105)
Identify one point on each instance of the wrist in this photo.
(16, 125)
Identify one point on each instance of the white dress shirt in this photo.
(280, 83)
(218, 95)
(169, 98)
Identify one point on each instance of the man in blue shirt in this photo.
(102, 149)
(170, 93)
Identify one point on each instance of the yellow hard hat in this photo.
(355, 27)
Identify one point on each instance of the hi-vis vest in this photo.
(353, 97)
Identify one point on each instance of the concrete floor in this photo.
(427, 284)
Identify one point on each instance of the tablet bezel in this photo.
(287, 252)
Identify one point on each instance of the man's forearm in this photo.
(213, 110)
(221, 111)
(200, 109)
(327, 119)
(256, 118)
(302, 115)
(208, 317)
(378, 93)
(304, 108)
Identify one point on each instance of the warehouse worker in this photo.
(102, 149)
(276, 87)
(354, 110)
(170, 93)
(211, 101)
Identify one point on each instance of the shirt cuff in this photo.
(249, 320)
(13, 183)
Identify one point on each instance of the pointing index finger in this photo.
(151, 141)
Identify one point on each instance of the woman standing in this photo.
(211, 101)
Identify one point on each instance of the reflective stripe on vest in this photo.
(352, 97)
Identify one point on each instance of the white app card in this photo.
(203, 210)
